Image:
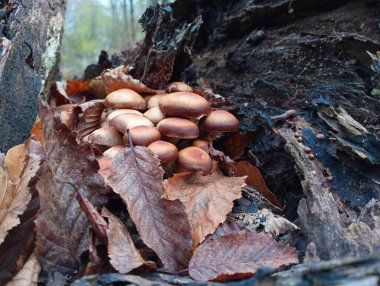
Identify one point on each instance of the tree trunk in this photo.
(29, 42)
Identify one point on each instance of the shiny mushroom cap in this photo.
(126, 121)
(179, 86)
(154, 114)
(176, 127)
(111, 152)
(142, 135)
(164, 150)
(220, 121)
(105, 136)
(117, 112)
(125, 98)
(194, 159)
(155, 100)
(184, 104)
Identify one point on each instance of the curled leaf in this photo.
(237, 255)
(116, 79)
(207, 199)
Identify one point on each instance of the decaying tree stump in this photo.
(272, 56)
(30, 36)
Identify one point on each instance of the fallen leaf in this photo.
(14, 160)
(237, 255)
(124, 256)
(207, 199)
(14, 198)
(89, 120)
(37, 133)
(162, 225)
(28, 275)
(62, 227)
(254, 179)
(19, 243)
(116, 79)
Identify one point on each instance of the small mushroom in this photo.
(194, 159)
(125, 98)
(176, 127)
(154, 114)
(121, 111)
(220, 121)
(155, 100)
(142, 135)
(179, 86)
(184, 104)
(111, 152)
(105, 136)
(201, 143)
(126, 121)
(164, 150)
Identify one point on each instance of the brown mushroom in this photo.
(125, 98)
(111, 152)
(155, 100)
(184, 104)
(179, 86)
(126, 121)
(117, 112)
(142, 135)
(154, 114)
(201, 143)
(219, 121)
(194, 159)
(164, 150)
(106, 137)
(176, 127)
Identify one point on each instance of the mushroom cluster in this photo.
(177, 126)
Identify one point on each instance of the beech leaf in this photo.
(14, 198)
(115, 79)
(124, 256)
(237, 255)
(28, 275)
(62, 227)
(163, 225)
(19, 242)
(207, 199)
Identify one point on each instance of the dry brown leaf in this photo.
(37, 133)
(207, 199)
(254, 179)
(116, 79)
(124, 256)
(162, 225)
(62, 227)
(237, 255)
(14, 198)
(28, 275)
(19, 243)
(14, 160)
(89, 119)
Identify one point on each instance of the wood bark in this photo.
(268, 57)
(30, 36)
